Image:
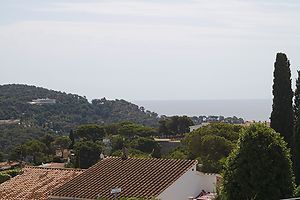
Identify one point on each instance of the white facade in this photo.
(190, 184)
(43, 101)
(195, 127)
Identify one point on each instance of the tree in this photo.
(282, 109)
(87, 153)
(48, 139)
(90, 132)
(1, 156)
(175, 125)
(17, 153)
(211, 144)
(162, 129)
(260, 167)
(296, 136)
(130, 130)
(62, 143)
(72, 138)
(213, 152)
(36, 149)
(146, 145)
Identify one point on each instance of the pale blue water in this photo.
(252, 109)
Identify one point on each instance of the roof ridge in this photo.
(135, 158)
(53, 168)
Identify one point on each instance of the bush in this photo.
(212, 144)
(12, 172)
(4, 177)
(297, 191)
(260, 167)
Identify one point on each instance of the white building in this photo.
(42, 101)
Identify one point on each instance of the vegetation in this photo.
(87, 153)
(1, 156)
(259, 167)
(69, 111)
(62, 143)
(282, 113)
(90, 132)
(218, 119)
(4, 177)
(296, 136)
(14, 135)
(212, 144)
(33, 151)
(175, 125)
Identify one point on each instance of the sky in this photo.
(149, 49)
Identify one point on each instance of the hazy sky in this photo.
(148, 49)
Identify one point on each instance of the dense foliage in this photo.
(69, 111)
(175, 125)
(282, 112)
(14, 135)
(212, 144)
(259, 167)
(33, 151)
(87, 142)
(4, 177)
(87, 153)
(296, 136)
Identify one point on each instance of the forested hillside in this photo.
(68, 111)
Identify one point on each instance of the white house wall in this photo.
(190, 184)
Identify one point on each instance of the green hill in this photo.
(68, 111)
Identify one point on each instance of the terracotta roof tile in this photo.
(137, 177)
(35, 183)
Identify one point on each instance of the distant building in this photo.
(167, 145)
(42, 101)
(195, 127)
(9, 121)
(164, 179)
(9, 165)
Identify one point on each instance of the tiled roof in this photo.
(137, 177)
(35, 183)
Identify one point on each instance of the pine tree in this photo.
(296, 137)
(282, 119)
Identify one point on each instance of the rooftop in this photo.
(35, 183)
(137, 177)
(8, 165)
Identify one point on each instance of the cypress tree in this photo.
(72, 138)
(282, 119)
(296, 138)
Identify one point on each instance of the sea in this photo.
(248, 109)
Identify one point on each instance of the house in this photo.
(167, 145)
(42, 101)
(35, 183)
(195, 127)
(165, 179)
(9, 165)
